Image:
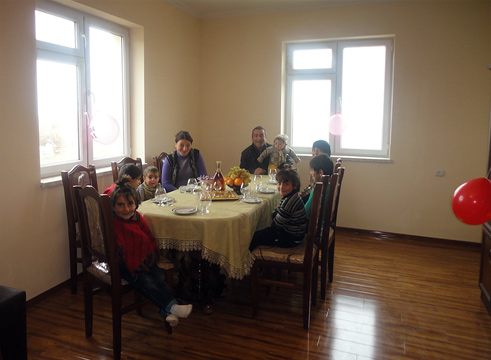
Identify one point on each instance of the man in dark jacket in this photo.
(248, 158)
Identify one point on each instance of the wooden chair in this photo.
(116, 166)
(303, 258)
(158, 161)
(81, 176)
(338, 164)
(100, 263)
(328, 236)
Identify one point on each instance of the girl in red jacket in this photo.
(139, 254)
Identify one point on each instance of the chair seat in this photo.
(101, 272)
(166, 264)
(294, 255)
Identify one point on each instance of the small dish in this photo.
(164, 200)
(252, 201)
(273, 182)
(185, 210)
(267, 191)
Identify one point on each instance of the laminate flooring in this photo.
(391, 298)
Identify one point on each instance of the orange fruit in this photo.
(238, 181)
(226, 178)
(230, 182)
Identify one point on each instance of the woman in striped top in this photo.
(289, 224)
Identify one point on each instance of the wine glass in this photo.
(217, 185)
(272, 175)
(160, 195)
(244, 190)
(205, 199)
(192, 184)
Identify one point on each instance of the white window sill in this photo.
(56, 180)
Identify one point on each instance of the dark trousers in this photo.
(273, 237)
(152, 285)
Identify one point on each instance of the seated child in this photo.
(150, 184)
(139, 254)
(131, 170)
(319, 165)
(289, 224)
(279, 153)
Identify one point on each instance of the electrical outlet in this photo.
(440, 172)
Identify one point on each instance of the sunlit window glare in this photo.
(363, 97)
(312, 59)
(57, 112)
(55, 30)
(106, 66)
(311, 109)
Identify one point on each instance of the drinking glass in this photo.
(160, 196)
(205, 199)
(272, 175)
(244, 190)
(192, 184)
(217, 186)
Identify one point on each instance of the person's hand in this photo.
(259, 171)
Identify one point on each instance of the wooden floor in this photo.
(390, 299)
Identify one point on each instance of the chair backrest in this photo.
(338, 164)
(81, 176)
(116, 166)
(333, 182)
(99, 246)
(158, 161)
(336, 196)
(312, 236)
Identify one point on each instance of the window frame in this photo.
(335, 73)
(80, 57)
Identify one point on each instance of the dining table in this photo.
(223, 235)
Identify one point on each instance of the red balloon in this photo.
(471, 201)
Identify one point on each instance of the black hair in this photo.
(259, 128)
(183, 135)
(150, 169)
(289, 175)
(322, 162)
(323, 146)
(123, 188)
(131, 170)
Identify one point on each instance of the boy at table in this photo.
(139, 254)
(289, 224)
(150, 184)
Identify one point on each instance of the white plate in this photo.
(272, 182)
(165, 200)
(252, 201)
(267, 191)
(185, 210)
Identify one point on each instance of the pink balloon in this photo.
(337, 125)
(471, 201)
(104, 129)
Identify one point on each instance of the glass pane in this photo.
(55, 30)
(363, 97)
(311, 109)
(57, 112)
(312, 59)
(107, 93)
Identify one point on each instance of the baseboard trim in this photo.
(422, 240)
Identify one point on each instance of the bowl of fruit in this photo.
(236, 177)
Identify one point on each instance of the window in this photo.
(82, 88)
(352, 78)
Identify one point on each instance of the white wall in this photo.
(219, 78)
(440, 104)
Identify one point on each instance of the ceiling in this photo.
(224, 8)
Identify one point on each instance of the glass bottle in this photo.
(218, 179)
